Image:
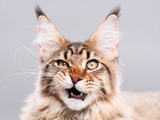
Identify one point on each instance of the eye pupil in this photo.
(92, 64)
(63, 63)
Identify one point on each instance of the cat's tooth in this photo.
(72, 94)
(81, 94)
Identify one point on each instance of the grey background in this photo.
(76, 21)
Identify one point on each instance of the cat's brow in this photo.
(88, 55)
(80, 52)
(87, 52)
(66, 53)
(76, 48)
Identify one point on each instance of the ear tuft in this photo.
(38, 11)
(115, 11)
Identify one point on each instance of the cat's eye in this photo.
(92, 64)
(62, 64)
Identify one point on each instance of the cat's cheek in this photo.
(67, 83)
(81, 87)
(88, 87)
(63, 81)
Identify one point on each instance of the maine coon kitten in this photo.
(81, 81)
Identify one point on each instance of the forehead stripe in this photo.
(88, 53)
(80, 52)
(70, 50)
(65, 54)
(107, 68)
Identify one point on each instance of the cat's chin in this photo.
(76, 103)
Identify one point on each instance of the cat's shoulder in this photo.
(146, 105)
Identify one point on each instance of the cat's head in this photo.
(79, 74)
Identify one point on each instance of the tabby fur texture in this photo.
(81, 80)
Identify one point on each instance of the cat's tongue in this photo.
(74, 93)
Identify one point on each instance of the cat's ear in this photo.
(49, 38)
(107, 36)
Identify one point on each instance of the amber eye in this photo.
(92, 64)
(62, 64)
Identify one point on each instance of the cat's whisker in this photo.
(54, 89)
(107, 102)
(33, 53)
(113, 111)
(14, 74)
(29, 50)
(96, 98)
(110, 90)
(45, 86)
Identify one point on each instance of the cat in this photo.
(81, 80)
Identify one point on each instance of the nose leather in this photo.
(75, 79)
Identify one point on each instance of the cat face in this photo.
(79, 74)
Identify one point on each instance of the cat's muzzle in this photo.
(76, 94)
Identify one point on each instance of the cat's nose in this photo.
(75, 79)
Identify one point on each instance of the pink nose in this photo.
(75, 79)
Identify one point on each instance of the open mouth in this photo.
(74, 93)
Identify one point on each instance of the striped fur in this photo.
(100, 86)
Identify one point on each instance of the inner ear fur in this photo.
(106, 37)
(49, 38)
